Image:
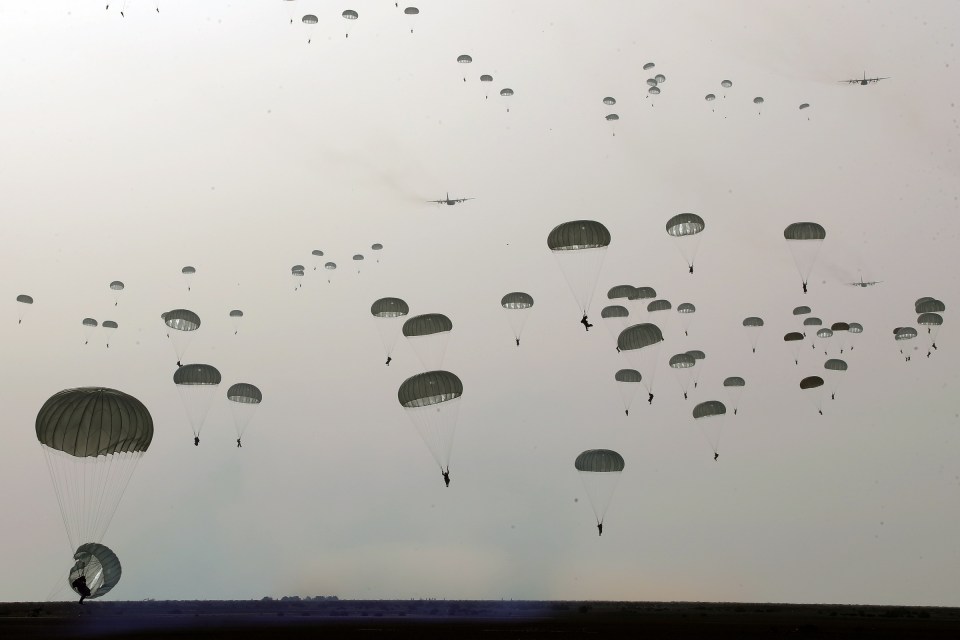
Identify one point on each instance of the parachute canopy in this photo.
(506, 93)
(682, 361)
(244, 393)
(98, 565)
(684, 224)
(758, 100)
(116, 285)
(627, 375)
(89, 322)
(709, 97)
(464, 59)
(411, 11)
(804, 231)
(614, 311)
(686, 307)
(753, 321)
(309, 19)
(659, 305)
(599, 461)
(612, 117)
(182, 320)
(801, 311)
(709, 408)
(196, 374)
(648, 66)
(25, 299)
(389, 308)
(426, 324)
(486, 78)
(517, 300)
(726, 84)
(811, 382)
(317, 252)
(639, 336)
(734, 381)
(188, 270)
(350, 14)
(835, 364)
(621, 291)
(609, 101)
(793, 336)
(429, 388)
(109, 324)
(236, 313)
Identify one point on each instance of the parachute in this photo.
(506, 93)
(387, 312)
(517, 306)
(709, 417)
(432, 401)
(709, 97)
(110, 326)
(840, 330)
(685, 229)
(929, 305)
(648, 66)
(25, 300)
(683, 364)
(621, 291)
(89, 324)
(183, 323)
(377, 247)
(933, 322)
(411, 11)
(794, 339)
(116, 286)
(612, 117)
(642, 343)
(92, 439)
(812, 386)
(235, 316)
(835, 372)
(350, 15)
(464, 59)
(599, 471)
(196, 384)
(651, 82)
(244, 399)
(855, 329)
(358, 258)
(428, 334)
(734, 386)
(644, 293)
(801, 311)
(686, 311)
(297, 271)
(100, 567)
(804, 240)
(659, 305)
(580, 246)
(188, 273)
(654, 91)
(486, 78)
(609, 101)
(901, 334)
(726, 84)
(753, 324)
(309, 19)
(758, 100)
(660, 78)
(628, 381)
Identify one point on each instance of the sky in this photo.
(214, 135)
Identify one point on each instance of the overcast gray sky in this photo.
(213, 134)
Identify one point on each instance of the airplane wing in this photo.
(849, 81)
(463, 199)
(437, 201)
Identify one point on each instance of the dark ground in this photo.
(457, 620)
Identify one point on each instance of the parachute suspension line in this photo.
(56, 489)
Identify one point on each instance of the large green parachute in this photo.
(709, 417)
(196, 384)
(387, 313)
(580, 246)
(685, 229)
(642, 343)
(432, 401)
(182, 324)
(599, 471)
(804, 240)
(244, 399)
(92, 439)
(517, 305)
(428, 334)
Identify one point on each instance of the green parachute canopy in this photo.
(628, 375)
(639, 336)
(614, 311)
(389, 308)
(734, 381)
(577, 235)
(426, 324)
(684, 224)
(429, 388)
(244, 393)
(516, 300)
(599, 461)
(709, 408)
